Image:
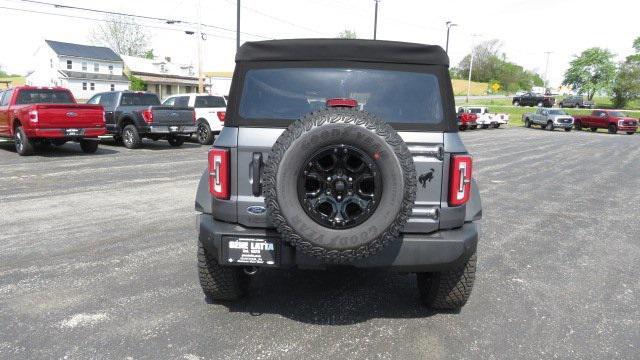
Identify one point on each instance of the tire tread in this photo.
(448, 290)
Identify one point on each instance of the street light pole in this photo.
(546, 70)
(449, 26)
(375, 21)
(199, 40)
(238, 25)
(473, 45)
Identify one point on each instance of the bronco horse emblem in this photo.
(428, 176)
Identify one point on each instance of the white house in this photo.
(162, 76)
(83, 69)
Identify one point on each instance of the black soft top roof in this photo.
(342, 49)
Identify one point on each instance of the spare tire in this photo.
(339, 184)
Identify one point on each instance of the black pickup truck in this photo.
(533, 99)
(131, 116)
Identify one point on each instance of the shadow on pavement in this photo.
(340, 296)
(66, 150)
(151, 145)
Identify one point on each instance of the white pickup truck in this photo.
(485, 118)
(210, 113)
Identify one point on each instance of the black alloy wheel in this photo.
(339, 186)
(205, 136)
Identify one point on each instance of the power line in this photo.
(166, 20)
(278, 19)
(104, 20)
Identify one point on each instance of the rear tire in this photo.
(89, 146)
(612, 129)
(448, 290)
(222, 283)
(176, 141)
(131, 137)
(496, 125)
(24, 145)
(204, 133)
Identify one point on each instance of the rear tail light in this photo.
(339, 102)
(460, 180)
(33, 116)
(221, 115)
(219, 173)
(147, 115)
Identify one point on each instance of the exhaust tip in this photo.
(250, 270)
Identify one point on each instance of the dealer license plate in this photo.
(250, 251)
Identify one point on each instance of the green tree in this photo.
(347, 34)
(636, 47)
(149, 54)
(491, 65)
(626, 86)
(137, 84)
(591, 72)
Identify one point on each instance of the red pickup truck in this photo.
(612, 120)
(43, 116)
(467, 120)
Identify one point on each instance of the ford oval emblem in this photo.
(72, 114)
(256, 210)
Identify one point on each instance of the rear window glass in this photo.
(44, 96)
(290, 93)
(129, 99)
(209, 101)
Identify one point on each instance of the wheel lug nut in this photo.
(350, 179)
(329, 178)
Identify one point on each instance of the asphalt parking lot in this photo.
(97, 260)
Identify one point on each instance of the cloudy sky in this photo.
(527, 29)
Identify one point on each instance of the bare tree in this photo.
(122, 34)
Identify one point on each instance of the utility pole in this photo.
(449, 26)
(199, 40)
(238, 25)
(546, 70)
(375, 21)
(473, 45)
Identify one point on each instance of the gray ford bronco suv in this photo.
(339, 153)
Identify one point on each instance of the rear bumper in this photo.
(412, 253)
(169, 129)
(59, 133)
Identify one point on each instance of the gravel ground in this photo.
(97, 260)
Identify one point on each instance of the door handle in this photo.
(256, 165)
